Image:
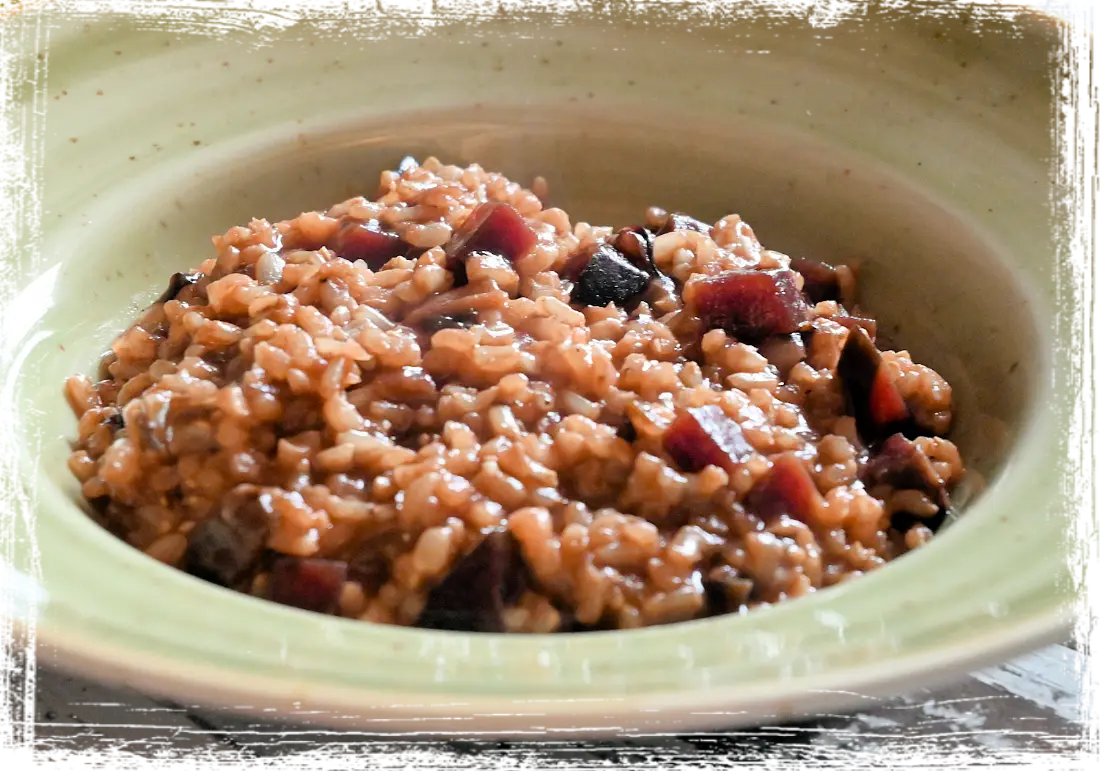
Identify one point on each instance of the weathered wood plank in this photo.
(1049, 678)
(973, 715)
(295, 748)
(53, 723)
(77, 714)
(1028, 705)
(557, 756)
(976, 726)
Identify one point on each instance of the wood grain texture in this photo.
(1031, 704)
(52, 723)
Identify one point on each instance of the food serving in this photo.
(450, 406)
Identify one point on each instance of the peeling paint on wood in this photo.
(1038, 712)
(1090, 639)
(1057, 679)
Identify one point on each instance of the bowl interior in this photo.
(940, 286)
(940, 191)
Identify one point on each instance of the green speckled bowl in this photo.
(922, 146)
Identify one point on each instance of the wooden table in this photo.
(1018, 715)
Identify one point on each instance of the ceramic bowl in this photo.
(918, 144)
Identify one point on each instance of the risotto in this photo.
(452, 407)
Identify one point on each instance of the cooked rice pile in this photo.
(492, 423)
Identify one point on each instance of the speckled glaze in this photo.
(920, 146)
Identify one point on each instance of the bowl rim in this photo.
(207, 686)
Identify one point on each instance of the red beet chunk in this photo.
(367, 241)
(783, 352)
(636, 245)
(309, 584)
(870, 326)
(491, 227)
(706, 436)
(750, 303)
(901, 464)
(820, 281)
(678, 221)
(788, 489)
(604, 276)
(873, 399)
(473, 596)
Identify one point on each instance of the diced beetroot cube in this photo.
(870, 326)
(491, 227)
(706, 436)
(367, 241)
(636, 245)
(606, 277)
(309, 584)
(783, 352)
(473, 596)
(901, 464)
(678, 221)
(788, 489)
(749, 303)
(820, 281)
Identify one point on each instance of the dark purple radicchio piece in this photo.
(636, 245)
(872, 398)
(901, 464)
(225, 548)
(819, 280)
(176, 284)
(706, 436)
(473, 596)
(726, 590)
(220, 553)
